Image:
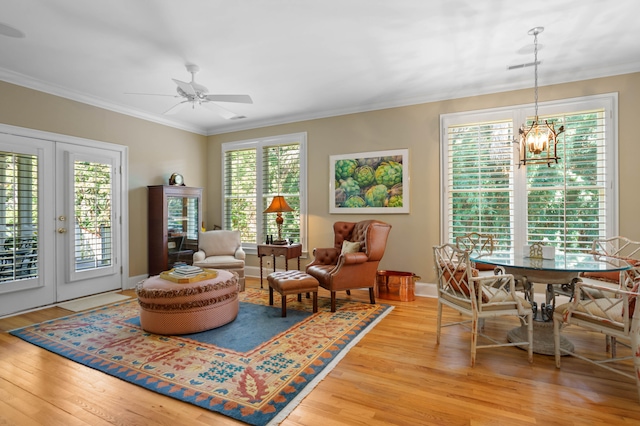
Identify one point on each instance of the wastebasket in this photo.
(396, 285)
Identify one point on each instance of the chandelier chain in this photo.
(535, 66)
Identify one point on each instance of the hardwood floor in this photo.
(395, 375)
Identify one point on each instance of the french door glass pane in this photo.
(93, 195)
(18, 217)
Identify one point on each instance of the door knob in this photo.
(62, 230)
(62, 218)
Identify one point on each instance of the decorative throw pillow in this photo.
(350, 247)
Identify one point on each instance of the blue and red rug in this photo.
(255, 369)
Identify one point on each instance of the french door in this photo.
(60, 221)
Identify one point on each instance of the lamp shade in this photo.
(278, 204)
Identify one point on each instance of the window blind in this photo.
(240, 192)
(480, 180)
(281, 176)
(18, 216)
(566, 202)
(254, 172)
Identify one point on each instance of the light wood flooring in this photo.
(395, 375)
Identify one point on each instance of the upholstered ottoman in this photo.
(292, 282)
(167, 307)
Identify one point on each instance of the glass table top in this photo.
(569, 262)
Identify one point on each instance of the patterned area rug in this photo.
(259, 385)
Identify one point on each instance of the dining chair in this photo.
(617, 247)
(479, 297)
(616, 315)
(482, 244)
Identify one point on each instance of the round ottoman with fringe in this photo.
(167, 307)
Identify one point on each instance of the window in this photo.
(566, 205)
(255, 171)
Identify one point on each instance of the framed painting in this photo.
(369, 182)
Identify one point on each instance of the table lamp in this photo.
(279, 205)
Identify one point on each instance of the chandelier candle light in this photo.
(537, 140)
(279, 205)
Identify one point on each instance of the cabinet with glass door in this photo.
(175, 214)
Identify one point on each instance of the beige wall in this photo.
(417, 128)
(155, 151)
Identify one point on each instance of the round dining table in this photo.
(559, 273)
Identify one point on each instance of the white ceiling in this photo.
(302, 59)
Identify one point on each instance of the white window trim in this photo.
(259, 143)
(519, 114)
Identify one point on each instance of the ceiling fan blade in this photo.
(176, 108)
(243, 99)
(186, 87)
(149, 94)
(223, 112)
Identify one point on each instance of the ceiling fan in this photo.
(196, 94)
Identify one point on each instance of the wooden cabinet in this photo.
(175, 215)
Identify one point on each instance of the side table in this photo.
(288, 251)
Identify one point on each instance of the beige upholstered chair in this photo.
(221, 250)
(353, 260)
(460, 288)
(616, 315)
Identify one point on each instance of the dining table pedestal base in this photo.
(543, 343)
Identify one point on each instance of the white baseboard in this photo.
(133, 281)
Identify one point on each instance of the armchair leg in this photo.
(333, 301)
(270, 295)
(372, 296)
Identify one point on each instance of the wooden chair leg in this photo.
(270, 295)
(299, 297)
(439, 323)
(556, 341)
(474, 339)
(284, 306)
(333, 301)
(315, 301)
(530, 337)
(372, 295)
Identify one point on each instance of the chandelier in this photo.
(538, 142)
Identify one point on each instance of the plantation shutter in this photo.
(240, 192)
(18, 216)
(281, 176)
(566, 202)
(480, 180)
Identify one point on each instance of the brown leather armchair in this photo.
(337, 271)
